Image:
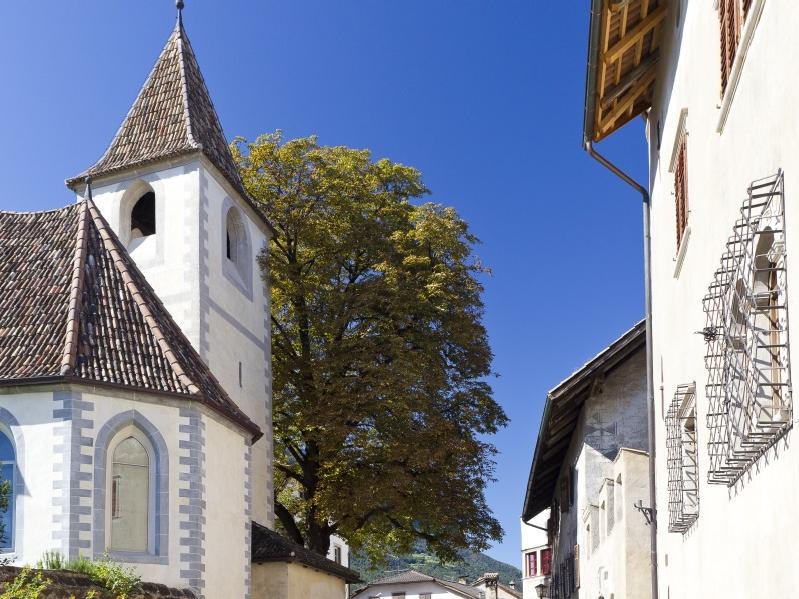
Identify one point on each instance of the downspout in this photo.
(650, 384)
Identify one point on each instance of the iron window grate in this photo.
(747, 359)
(681, 447)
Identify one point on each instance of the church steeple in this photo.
(173, 115)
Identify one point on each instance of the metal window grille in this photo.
(748, 376)
(681, 447)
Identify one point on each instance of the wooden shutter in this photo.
(681, 189)
(546, 561)
(730, 27)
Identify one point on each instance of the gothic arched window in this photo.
(129, 495)
(7, 469)
(236, 242)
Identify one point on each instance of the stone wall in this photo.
(65, 585)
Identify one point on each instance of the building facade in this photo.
(587, 470)
(536, 554)
(714, 82)
(135, 366)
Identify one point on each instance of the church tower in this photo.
(170, 190)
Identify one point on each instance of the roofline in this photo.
(60, 379)
(334, 569)
(630, 340)
(590, 75)
(447, 584)
(78, 182)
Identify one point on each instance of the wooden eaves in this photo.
(623, 56)
(561, 415)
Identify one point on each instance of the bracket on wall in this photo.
(648, 512)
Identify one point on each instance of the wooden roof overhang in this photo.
(623, 53)
(561, 417)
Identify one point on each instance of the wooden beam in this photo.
(630, 99)
(637, 33)
(615, 92)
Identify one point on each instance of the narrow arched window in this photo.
(142, 217)
(130, 496)
(7, 469)
(236, 242)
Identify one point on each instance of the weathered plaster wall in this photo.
(614, 417)
(740, 546)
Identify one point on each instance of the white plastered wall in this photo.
(741, 544)
(412, 590)
(223, 314)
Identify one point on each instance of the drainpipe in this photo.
(650, 384)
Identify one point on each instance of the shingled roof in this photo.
(172, 116)
(75, 308)
(269, 546)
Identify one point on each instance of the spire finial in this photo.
(179, 5)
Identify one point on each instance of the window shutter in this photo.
(681, 190)
(730, 24)
(546, 561)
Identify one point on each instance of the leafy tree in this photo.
(379, 353)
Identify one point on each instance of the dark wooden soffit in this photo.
(622, 63)
(561, 416)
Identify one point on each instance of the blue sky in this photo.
(485, 97)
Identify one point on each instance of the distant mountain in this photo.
(472, 566)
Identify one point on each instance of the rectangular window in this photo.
(546, 561)
(532, 564)
(425, 595)
(337, 554)
(400, 594)
(681, 189)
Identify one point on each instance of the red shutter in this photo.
(532, 564)
(730, 27)
(546, 561)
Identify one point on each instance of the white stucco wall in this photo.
(533, 540)
(742, 542)
(223, 314)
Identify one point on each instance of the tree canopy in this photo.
(381, 404)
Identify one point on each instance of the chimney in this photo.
(492, 584)
(461, 579)
(512, 585)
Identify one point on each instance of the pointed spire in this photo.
(172, 116)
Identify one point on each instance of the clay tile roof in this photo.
(269, 546)
(74, 307)
(172, 116)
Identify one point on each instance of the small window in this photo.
(7, 469)
(681, 189)
(532, 564)
(425, 595)
(130, 496)
(683, 479)
(400, 594)
(337, 554)
(142, 217)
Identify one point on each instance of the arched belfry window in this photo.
(130, 490)
(236, 242)
(142, 218)
(7, 469)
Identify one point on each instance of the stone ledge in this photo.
(66, 584)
